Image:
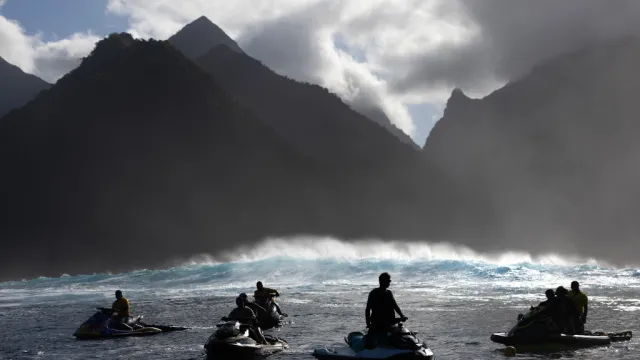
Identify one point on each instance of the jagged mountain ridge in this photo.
(201, 36)
(17, 87)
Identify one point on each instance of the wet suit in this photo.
(382, 306)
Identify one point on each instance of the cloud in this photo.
(48, 60)
(341, 45)
(507, 38)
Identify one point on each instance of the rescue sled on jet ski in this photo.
(100, 326)
(233, 340)
(399, 343)
(536, 331)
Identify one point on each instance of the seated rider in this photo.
(550, 294)
(380, 311)
(257, 309)
(264, 294)
(121, 314)
(246, 316)
(564, 311)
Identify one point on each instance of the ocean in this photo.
(454, 298)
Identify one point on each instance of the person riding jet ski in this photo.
(551, 295)
(121, 315)
(263, 295)
(257, 309)
(380, 311)
(245, 315)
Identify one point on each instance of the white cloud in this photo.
(298, 38)
(48, 60)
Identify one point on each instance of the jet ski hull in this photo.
(105, 333)
(374, 354)
(221, 349)
(230, 342)
(551, 342)
(98, 327)
(398, 344)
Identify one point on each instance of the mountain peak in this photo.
(17, 87)
(200, 36)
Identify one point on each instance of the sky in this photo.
(403, 56)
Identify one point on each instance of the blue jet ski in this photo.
(99, 326)
(536, 331)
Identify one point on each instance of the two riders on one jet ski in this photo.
(380, 311)
(264, 295)
(246, 316)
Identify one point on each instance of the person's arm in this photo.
(367, 311)
(396, 307)
(586, 309)
(272, 291)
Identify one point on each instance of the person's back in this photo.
(564, 311)
(242, 314)
(549, 301)
(382, 304)
(380, 311)
(121, 305)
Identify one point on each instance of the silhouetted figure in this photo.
(257, 309)
(264, 294)
(580, 301)
(564, 312)
(381, 309)
(121, 314)
(550, 294)
(246, 316)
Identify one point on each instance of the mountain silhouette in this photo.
(132, 157)
(139, 157)
(199, 36)
(17, 87)
(550, 161)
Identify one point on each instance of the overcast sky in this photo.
(403, 55)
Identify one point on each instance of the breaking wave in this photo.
(309, 263)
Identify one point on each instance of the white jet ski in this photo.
(399, 344)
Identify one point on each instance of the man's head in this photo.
(385, 280)
(561, 291)
(549, 294)
(259, 285)
(575, 286)
(240, 302)
(243, 296)
(118, 294)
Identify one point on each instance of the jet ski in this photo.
(100, 326)
(536, 331)
(234, 340)
(399, 343)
